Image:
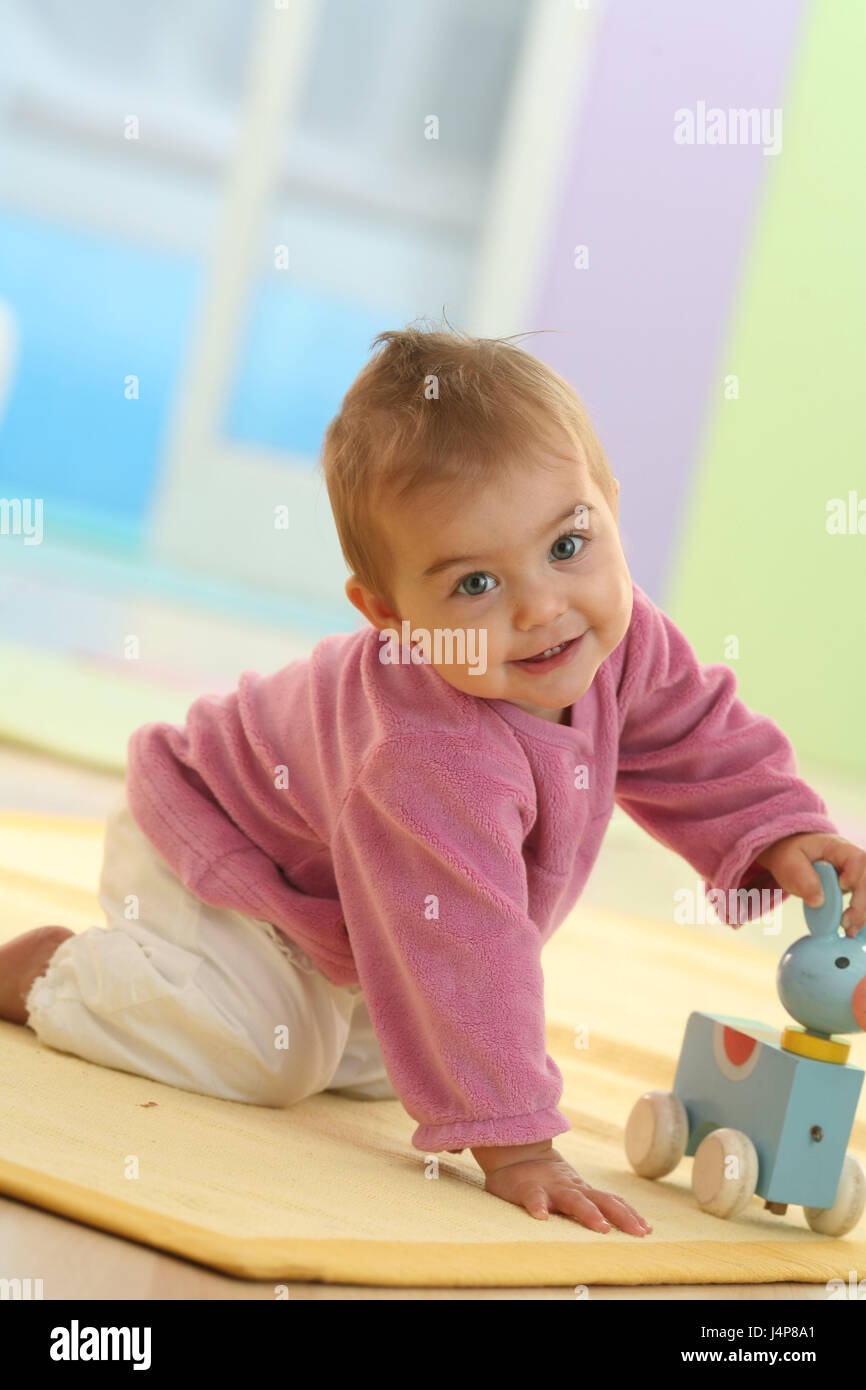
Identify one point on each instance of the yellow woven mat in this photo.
(332, 1190)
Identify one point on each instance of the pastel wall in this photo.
(712, 262)
(755, 557)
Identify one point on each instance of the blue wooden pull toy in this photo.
(767, 1112)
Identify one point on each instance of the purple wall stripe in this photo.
(668, 228)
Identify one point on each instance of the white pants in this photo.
(200, 997)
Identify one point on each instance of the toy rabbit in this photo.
(765, 1112)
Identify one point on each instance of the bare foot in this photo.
(21, 960)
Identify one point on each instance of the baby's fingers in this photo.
(605, 1209)
(536, 1203)
(620, 1212)
(575, 1201)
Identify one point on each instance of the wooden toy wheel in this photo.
(849, 1203)
(725, 1172)
(656, 1134)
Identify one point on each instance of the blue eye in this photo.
(477, 575)
(570, 536)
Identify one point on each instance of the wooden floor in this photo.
(77, 1262)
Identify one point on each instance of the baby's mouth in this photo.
(549, 652)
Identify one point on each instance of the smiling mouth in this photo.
(550, 651)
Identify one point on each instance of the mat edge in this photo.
(400, 1264)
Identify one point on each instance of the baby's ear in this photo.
(356, 594)
(373, 609)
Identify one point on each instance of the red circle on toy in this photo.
(738, 1047)
(736, 1052)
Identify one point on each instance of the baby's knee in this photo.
(272, 1093)
(284, 1077)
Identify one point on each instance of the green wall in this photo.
(756, 559)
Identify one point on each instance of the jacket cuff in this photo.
(506, 1129)
(740, 872)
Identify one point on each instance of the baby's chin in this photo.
(503, 679)
(506, 684)
(551, 699)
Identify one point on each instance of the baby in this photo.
(340, 876)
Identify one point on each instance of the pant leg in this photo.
(202, 998)
(361, 1072)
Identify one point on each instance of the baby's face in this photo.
(541, 565)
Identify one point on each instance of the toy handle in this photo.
(825, 920)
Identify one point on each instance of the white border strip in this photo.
(547, 92)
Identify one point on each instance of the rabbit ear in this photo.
(825, 920)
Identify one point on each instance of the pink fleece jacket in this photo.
(425, 843)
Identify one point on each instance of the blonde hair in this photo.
(433, 409)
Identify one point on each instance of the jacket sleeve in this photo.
(701, 772)
(427, 854)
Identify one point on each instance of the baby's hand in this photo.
(548, 1183)
(791, 859)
